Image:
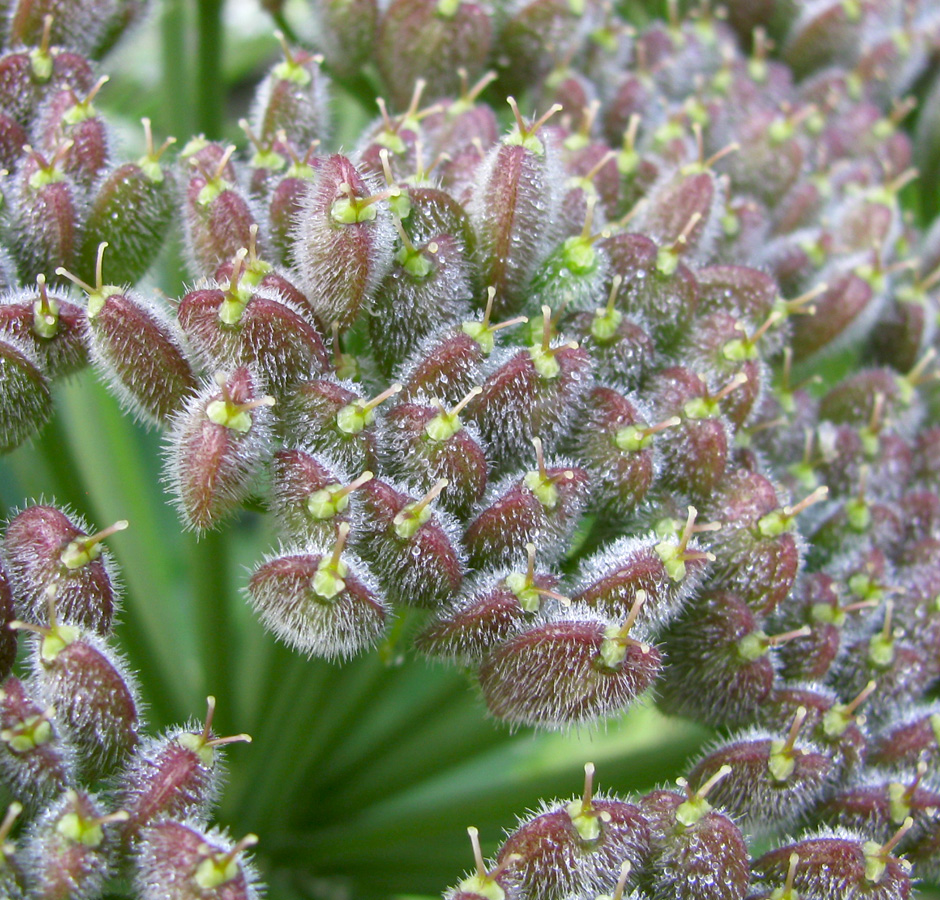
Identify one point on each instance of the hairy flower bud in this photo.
(36, 763)
(50, 552)
(324, 602)
(216, 447)
(180, 861)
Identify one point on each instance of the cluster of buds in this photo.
(61, 194)
(534, 383)
(96, 801)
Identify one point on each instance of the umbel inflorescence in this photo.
(536, 377)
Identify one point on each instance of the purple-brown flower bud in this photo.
(720, 669)
(343, 243)
(66, 117)
(25, 398)
(570, 668)
(311, 497)
(216, 213)
(322, 602)
(217, 446)
(137, 347)
(488, 612)
(439, 38)
(329, 418)
(697, 853)
(836, 864)
(908, 737)
(414, 549)
(180, 861)
(542, 507)
(50, 324)
(514, 209)
(617, 445)
(530, 393)
(176, 775)
(45, 214)
(575, 847)
(48, 552)
(36, 763)
(68, 851)
(94, 695)
(293, 99)
(772, 780)
(243, 325)
(666, 568)
(420, 444)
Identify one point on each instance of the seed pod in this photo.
(94, 694)
(530, 393)
(137, 348)
(833, 726)
(448, 363)
(576, 846)
(440, 38)
(292, 99)
(131, 209)
(697, 853)
(424, 290)
(69, 849)
(667, 569)
(878, 803)
(908, 737)
(720, 671)
(348, 33)
(541, 507)
(421, 444)
(343, 242)
(50, 324)
(312, 496)
(514, 208)
(488, 612)
(180, 861)
(414, 549)
(329, 418)
(217, 446)
(843, 312)
(36, 762)
(45, 215)
(66, 117)
(758, 549)
(772, 781)
(25, 399)
(696, 455)
(316, 601)
(617, 446)
(623, 352)
(242, 325)
(176, 775)
(568, 669)
(837, 864)
(50, 552)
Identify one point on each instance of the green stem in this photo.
(177, 95)
(208, 563)
(209, 75)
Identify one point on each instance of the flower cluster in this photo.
(99, 798)
(535, 378)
